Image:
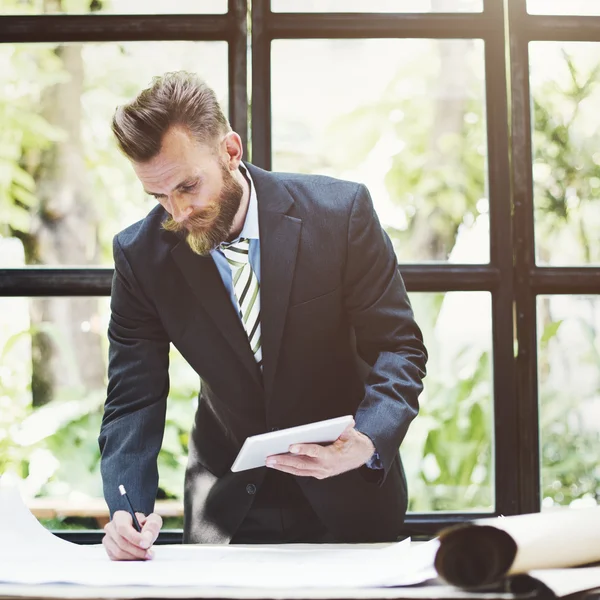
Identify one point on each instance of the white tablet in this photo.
(256, 448)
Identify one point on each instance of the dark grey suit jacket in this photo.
(338, 337)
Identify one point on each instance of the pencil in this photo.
(136, 523)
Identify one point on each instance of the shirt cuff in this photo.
(374, 462)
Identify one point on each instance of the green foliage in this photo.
(25, 133)
(435, 181)
(569, 443)
(550, 331)
(459, 442)
(15, 405)
(567, 192)
(569, 454)
(567, 166)
(180, 416)
(448, 452)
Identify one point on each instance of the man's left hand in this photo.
(350, 451)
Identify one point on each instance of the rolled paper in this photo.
(484, 551)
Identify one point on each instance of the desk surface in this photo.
(432, 591)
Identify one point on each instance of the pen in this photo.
(136, 523)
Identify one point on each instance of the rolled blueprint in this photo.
(486, 550)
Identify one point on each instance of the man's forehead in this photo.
(180, 159)
(166, 170)
(158, 169)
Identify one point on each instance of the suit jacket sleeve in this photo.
(138, 382)
(387, 337)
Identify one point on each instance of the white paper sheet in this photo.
(22, 536)
(58, 591)
(29, 554)
(568, 581)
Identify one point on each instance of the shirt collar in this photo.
(250, 228)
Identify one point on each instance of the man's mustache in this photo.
(198, 220)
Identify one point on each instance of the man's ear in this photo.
(233, 150)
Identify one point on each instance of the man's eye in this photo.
(189, 188)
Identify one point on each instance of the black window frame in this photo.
(511, 276)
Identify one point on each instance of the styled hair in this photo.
(178, 98)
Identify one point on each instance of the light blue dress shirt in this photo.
(249, 231)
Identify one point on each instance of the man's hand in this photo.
(123, 542)
(350, 451)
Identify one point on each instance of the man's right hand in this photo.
(123, 542)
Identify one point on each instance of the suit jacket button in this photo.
(251, 489)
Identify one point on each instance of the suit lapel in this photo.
(203, 277)
(279, 238)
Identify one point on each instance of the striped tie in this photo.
(246, 288)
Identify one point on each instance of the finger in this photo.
(109, 546)
(122, 524)
(312, 450)
(147, 540)
(318, 474)
(126, 551)
(296, 462)
(345, 438)
(129, 549)
(151, 529)
(113, 551)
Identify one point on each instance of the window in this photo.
(397, 6)
(448, 452)
(367, 123)
(89, 193)
(565, 90)
(568, 375)
(115, 7)
(558, 7)
(496, 235)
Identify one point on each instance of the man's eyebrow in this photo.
(184, 183)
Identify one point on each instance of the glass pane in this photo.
(52, 391)
(448, 452)
(65, 190)
(565, 90)
(123, 7)
(400, 6)
(560, 7)
(414, 132)
(569, 390)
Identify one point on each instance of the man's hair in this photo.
(178, 98)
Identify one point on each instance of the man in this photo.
(282, 292)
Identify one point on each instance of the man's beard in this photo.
(210, 226)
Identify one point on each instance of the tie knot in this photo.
(241, 243)
(236, 252)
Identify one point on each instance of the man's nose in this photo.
(180, 209)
